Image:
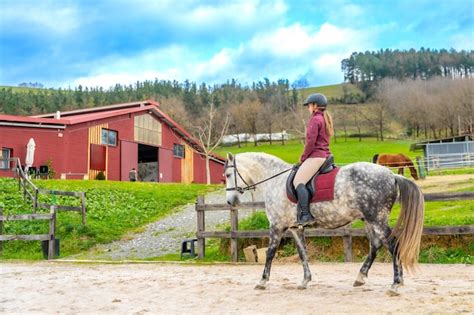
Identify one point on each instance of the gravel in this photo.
(165, 236)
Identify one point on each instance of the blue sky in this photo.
(100, 43)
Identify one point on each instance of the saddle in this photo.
(322, 182)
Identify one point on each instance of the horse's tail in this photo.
(375, 158)
(409, 227)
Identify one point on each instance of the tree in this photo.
(210, 130)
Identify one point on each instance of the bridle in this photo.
(248, 187)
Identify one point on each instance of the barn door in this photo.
(128, 158)
(187, 165)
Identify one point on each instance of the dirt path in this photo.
(164, 236)
(215, 289)
(446, 183)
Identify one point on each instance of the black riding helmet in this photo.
(317, 98)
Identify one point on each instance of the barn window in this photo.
(4, 155)
(178, 150)
(109, 137)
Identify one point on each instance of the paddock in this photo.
(171, 288)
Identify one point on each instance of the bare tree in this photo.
(300, 117)
(250, 109)
(210, 130)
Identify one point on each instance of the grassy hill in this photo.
(332, 92)
(19, 89)
(344, 152)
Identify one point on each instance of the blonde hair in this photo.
(329, 124)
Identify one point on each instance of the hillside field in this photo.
(344, 151)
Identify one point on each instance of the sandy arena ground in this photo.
(59, 287)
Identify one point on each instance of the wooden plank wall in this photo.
(187, 165)
(95, 136)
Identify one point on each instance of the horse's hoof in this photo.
(360, 281)
(393, 291)
(260, 287)
(303, 285)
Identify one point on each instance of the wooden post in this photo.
(35, 202)
(201, 227)
(234, 226)
(83, 208)
(52, 233)
(24, 189)
(347, 241)
(1, 230)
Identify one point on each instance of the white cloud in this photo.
(286, 52)
(48, 17)
(218, 16)
(462, 41)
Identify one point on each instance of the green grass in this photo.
(344, 151)
(466, 170)
(21, 89)
(331, 91)
(113, 209)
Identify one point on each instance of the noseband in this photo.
(248, 187)
(236, 172)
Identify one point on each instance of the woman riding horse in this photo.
(361, 191)
(316, 150)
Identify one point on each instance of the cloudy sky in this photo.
(99, 43)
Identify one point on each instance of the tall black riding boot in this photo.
(303, 214)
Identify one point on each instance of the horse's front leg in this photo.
(298, 235)
(275, 238)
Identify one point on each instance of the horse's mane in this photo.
(260, 156)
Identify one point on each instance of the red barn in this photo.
(112, 140)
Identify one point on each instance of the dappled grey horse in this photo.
(362, 190)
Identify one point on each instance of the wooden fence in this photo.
(50, 237)
(346, 233)
(32, 192)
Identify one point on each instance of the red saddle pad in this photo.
(324, 184)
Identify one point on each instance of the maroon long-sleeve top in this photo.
(317, 138)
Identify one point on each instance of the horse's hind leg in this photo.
(298, 235)
(397, 266)
(381, 232)
(375, 241)
(275, 238)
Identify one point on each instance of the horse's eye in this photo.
(227, 175)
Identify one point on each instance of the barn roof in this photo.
(78, 116)
(422, 144)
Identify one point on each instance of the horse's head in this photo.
(236, 180)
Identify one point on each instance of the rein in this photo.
(249, 187)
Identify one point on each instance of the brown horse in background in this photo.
(396, 160)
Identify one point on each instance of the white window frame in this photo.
(107, 142)
(5, 165)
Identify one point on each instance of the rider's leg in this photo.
(309, 167)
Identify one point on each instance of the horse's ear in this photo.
(230, 157)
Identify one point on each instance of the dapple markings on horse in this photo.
(396, 160)
(362, 191)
